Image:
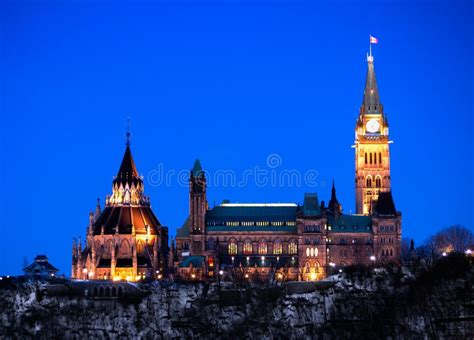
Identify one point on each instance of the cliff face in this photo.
(378, 303)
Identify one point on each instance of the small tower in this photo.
(197, 198)
(372, 153)
(334, 205)
(197, 208)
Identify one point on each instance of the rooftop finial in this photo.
(128, 134)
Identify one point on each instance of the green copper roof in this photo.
(184, 230)
(311, 205)
(244, 229)
(196, 261)
(350, 224)
(252, 213)
(197, 168)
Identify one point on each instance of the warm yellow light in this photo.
(160, 276)
(246, 276)
(138, 277)
(193, 276)
(280, 276)
(116, 278)
(313, 276)
(127, 278)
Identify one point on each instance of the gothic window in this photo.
(232, 247)
(292, 248)
(140, 247)
(391, 252)
(380, 157)
(378, 182)
(371, 158)
(369, 182)
(262, 247)
(277, 247)
(247, 247)
(307, 268)
(365, 158)
(124, 248)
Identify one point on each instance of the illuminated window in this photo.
(262, 247)
(292, 247)
(232, 247)
(277, 247)
(140, 247)
(247, 247)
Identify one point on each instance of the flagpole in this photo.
(370, 45)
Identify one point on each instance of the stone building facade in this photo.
(125, 240)
(291, 241)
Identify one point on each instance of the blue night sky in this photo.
(230, 83)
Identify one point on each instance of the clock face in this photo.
(372, 126)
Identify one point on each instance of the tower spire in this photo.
(128, 133)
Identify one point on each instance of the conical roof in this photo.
(371, 101)
(128, 171)
(197, 169)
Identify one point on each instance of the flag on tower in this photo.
(374, 40)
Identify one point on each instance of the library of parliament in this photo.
(254, 241)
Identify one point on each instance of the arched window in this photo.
(140, 247)
(365, 156)
(232, 247)
(391, 252)
(312, 252)
(371, 158)
(292, 248)
(378, 182)
(380, 157)
(124, 248)
(307, 269)
(247, 247)
(375, 158)
(307, 252)
(277, 247)
(315, 252)
(369, 182)
(262, 247)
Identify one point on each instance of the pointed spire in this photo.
(97, 210)
(128, 170)
(128, 133)
(333, 203)
(371, 101)
(197, 169)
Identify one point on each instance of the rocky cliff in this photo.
(362, 303)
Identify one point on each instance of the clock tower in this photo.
(372, 152)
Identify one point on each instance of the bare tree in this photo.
(454, 238)
(405, 249)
